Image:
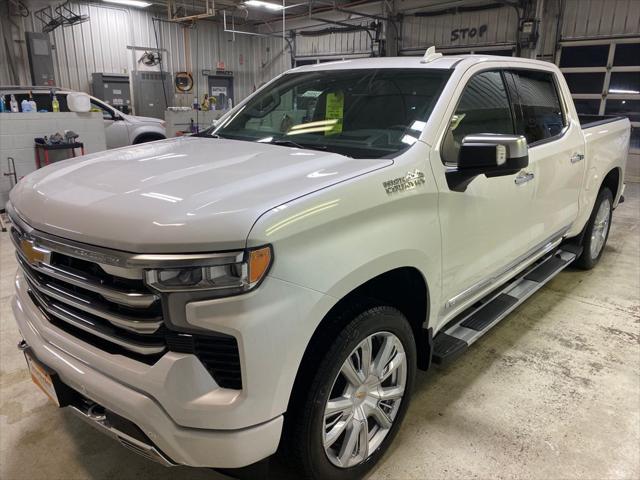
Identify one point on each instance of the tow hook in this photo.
(22, 345)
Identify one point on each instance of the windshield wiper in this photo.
(290, 143)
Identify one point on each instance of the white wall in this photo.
(18, 130)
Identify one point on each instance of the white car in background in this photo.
(120, 129)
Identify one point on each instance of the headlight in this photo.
(231, 275)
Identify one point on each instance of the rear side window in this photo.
(483, 108)
(537, 105)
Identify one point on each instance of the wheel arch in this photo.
(612, 181)
(148, 137)
(404, 288)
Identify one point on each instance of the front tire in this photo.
(597, 231)
(359, 395)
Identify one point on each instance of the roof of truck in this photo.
(444, 62)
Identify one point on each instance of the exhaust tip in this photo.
(22, 345)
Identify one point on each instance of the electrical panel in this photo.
(40, 59)
(113, 88)
(150, 90)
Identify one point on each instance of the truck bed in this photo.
(587, 121)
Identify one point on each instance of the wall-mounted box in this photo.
(113, 88)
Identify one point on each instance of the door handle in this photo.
(524, 178)
(576, 157)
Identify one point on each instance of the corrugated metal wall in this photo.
(419, 33)
(272, 57)
(335, 44)
(600, 18)
(587, 20)
(100, 45)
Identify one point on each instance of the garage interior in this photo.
(552, 392)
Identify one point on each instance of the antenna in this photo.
(430, 55)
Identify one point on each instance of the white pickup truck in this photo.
(275, 282)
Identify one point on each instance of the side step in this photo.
(477, 320)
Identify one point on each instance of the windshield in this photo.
(369, 113)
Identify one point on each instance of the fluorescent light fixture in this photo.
(260, 3)
(130, 3)
(617, 90)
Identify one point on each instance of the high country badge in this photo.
(410, 181)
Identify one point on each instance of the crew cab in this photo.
(120, 129)
(274, 282)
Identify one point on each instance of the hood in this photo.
(188, 194)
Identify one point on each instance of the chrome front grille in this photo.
(99, 296)
(82, 295)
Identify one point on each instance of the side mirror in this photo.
(492, 155)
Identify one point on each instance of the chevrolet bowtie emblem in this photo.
(34, 254)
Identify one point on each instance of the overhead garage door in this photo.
(604, 78)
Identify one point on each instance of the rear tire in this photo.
(597, 231)
(330, 445)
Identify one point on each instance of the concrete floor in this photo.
(552, 392)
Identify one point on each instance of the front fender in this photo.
(335, 239)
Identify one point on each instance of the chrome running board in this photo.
(478, 319)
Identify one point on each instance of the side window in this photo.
(62, 102)
(537, 105)
(106, 114)
(483, 108)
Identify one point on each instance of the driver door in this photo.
(485, 228)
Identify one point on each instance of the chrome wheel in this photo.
(364, 399)
(600, 228)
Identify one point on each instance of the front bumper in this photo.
(175, 402)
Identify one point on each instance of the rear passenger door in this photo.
(556, 150)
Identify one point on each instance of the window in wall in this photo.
(613, 86)
(625, 82)
(585, 56)
(483, 108)
(587, 107)
(538, 112)
(585, 82)
(627, 108)
(626, 54)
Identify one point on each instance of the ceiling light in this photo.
(130, 3)
(260, 3)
